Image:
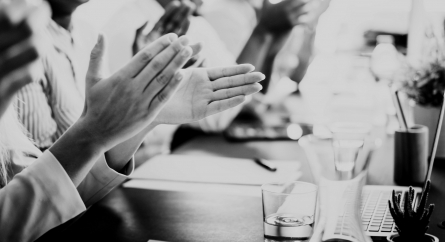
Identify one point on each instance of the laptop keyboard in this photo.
(375, 213)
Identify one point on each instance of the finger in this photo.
(14, 36)
(292, 4)
(161, 61)
(144, 56)
(17, 79)
(218, 72)
(182, 30)
(171, 9)
(166, 94)
(196, 48)
(95, 68)
(17, 11)
(13, 63)
(222, 105)
(300, 8)
(140, 30)
(236, 91)
(180, 16)
(177, 63)
(171, 75)
(238, 80)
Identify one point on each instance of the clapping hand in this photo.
(207, 91)
(282, 16)
(21, 23)
(119, 107)
(175, 20)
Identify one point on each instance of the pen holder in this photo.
(411, 155)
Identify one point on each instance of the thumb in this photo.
(95, 73)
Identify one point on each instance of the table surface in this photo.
(128, 214)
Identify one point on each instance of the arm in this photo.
(118, 157)
(274, 26)
(261, 50)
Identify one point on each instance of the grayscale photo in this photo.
(222, 120)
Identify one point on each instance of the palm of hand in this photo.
(206, 91)
(191, 101)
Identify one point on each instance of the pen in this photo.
(266, 164)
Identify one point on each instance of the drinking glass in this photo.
(289, 210)
(347, 141)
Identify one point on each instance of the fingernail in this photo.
(263, 76)
(186, 52)
(172, 37)
(183, 40)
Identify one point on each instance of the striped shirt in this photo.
(50, 105)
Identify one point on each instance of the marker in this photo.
(266, 164)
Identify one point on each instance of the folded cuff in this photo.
(57, 185)
(101, 180)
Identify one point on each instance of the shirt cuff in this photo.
(101, 180)
(57, 185)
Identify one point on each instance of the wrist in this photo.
(85, 133)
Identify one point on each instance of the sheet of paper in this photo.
(241, 190)
(219, 170)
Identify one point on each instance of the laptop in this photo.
(376, 217)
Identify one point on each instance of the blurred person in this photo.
(48, 106)
(41, 191)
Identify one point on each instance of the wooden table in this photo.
(139, 215)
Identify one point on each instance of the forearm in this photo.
(77, 151)
(118, 156)
(261, 50)
(256, 49)
(304, 55)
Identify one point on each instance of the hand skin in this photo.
(20, 26)
(268, 37)
(203, 92)
(284, 15)
(121, 106)
(175, 20)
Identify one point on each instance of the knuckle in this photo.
(162, 97)
(161, 79)
(224, 71)
(156, 64)
(231, 81)
(228, 92)
(145, 56)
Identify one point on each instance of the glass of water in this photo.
(289, 210)
(347, 141)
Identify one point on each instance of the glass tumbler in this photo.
(289, 210)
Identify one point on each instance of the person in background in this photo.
(41, 191)
(48, 106)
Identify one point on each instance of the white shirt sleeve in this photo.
(43, 196)
(36, 200)
(101, 180)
